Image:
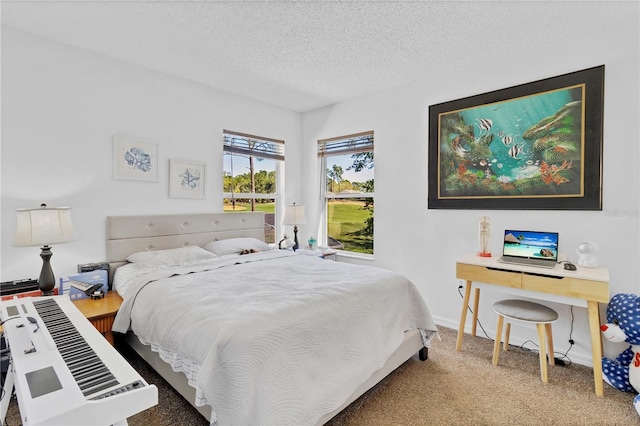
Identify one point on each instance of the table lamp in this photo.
(42, 227)
(294, 215)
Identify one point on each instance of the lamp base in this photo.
(47, 281)
(295, 237)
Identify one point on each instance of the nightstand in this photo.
(328, 254)
(101, 312)
(324, 253)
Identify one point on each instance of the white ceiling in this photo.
(303, 55)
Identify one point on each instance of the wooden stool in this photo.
(529, 312)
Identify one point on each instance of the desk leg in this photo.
(463, 315)
(476, 302)
(596, 345)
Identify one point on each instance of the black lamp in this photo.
(41, 227)
(294, 215)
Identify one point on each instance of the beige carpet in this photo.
(451, 388)
(464, 388)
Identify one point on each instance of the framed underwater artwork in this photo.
(533, 146)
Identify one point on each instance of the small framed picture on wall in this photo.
(135, 159)
(186, 179)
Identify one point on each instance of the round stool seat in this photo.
(524, 310)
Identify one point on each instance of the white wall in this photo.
(60, 108)
(424, 244)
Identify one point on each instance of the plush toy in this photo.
(623, 325)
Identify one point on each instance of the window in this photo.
(250, 181)
(347, 189)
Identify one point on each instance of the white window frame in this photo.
(277, 154)
(348, 144)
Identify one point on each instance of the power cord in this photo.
(558, 360)
(32, 320)
(571, 341)
(9, 319)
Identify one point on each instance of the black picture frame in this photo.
(535, 146)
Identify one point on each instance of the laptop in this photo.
(530, 248)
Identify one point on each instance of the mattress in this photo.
(271, 337)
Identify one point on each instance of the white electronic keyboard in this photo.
(65, 371)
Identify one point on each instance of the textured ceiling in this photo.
(303, 55)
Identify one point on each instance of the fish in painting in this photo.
(515, 150)
(484, 124)
(506, 140)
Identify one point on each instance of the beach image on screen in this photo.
(531, 244)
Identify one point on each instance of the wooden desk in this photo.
(587, 284)
(101, 312)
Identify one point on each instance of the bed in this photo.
(263, 337)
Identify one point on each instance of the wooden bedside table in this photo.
(101, 312)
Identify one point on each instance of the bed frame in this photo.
(130, 234)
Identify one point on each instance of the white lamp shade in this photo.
(294, 215)
(43, 226)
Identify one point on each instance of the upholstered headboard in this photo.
(131, 234)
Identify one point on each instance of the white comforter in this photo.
(273, 337)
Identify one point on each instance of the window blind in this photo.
(351, 144)
(256, 146)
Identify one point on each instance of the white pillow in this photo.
(236, 245)
(171, 257)
(124, 274)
